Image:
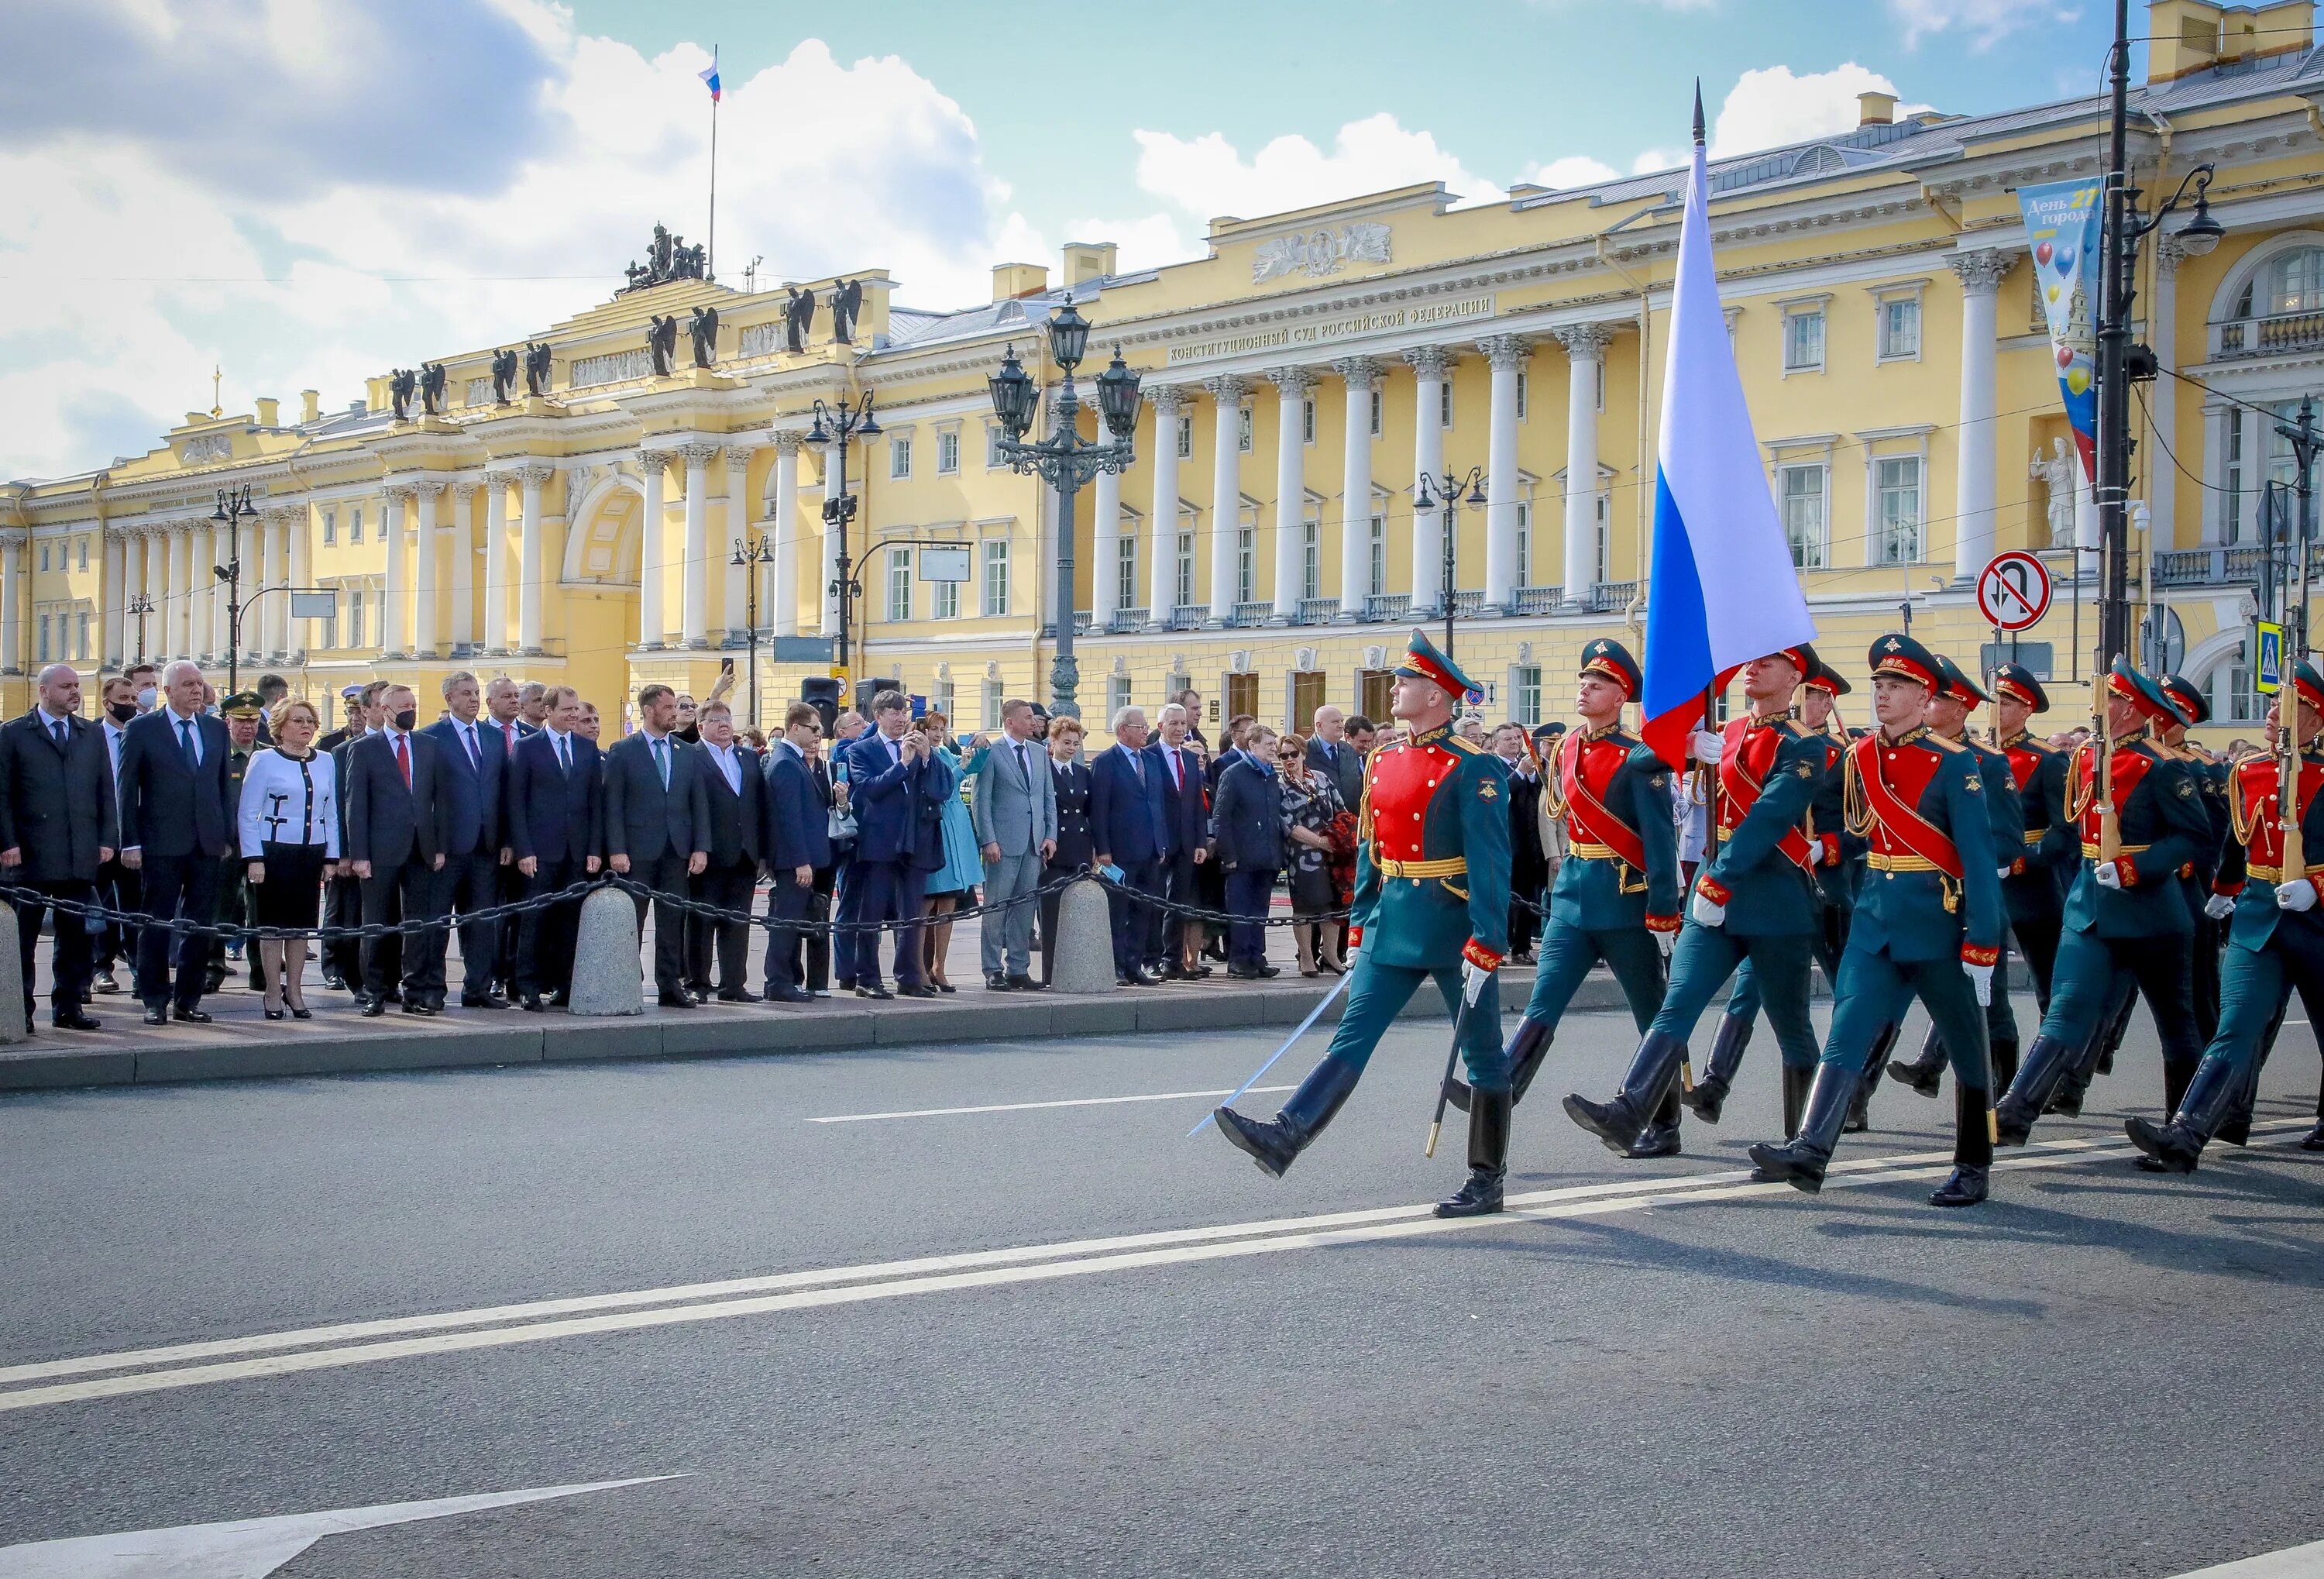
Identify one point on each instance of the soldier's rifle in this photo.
(2287, 789)
(2109, 821)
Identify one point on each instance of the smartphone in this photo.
(725, 665)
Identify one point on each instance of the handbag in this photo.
(840, 823)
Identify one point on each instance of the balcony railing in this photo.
(1535, 600)
(1469, 604)
(1127, 619)
(1188, 616)
(1610, 596)
(2217, 566)
(2269, 337)
(1247, 615)
(1387, 605)
(1318, 611)
(1084, 621)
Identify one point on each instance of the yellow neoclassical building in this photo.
(568, 505)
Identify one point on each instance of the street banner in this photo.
(2062, 228)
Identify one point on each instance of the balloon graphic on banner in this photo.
(2062, 222)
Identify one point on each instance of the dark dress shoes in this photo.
(916, 989)
(190, 1016)
(675, 1000)
(157, 1014)
(532, 1004)
(880, 993)
(373, 1007)
(998, 982)
(426, 1009)
(73, 1019)
(735, 995)
(489, 1000)
(1026, 984)
(787, 993)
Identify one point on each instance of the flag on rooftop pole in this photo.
(710, 247)
(1723, 590)
(711, 75)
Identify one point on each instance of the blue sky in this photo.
(304, 195)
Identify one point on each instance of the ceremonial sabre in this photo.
(1444, 1086)
(1312, 1015)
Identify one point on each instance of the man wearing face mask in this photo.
(117, 887)
(343, 896)
(144, 683)
(395, 842)
(174, 829)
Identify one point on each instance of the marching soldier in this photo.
(2127, 912)
(2275, 941)
(1432, 900)
(1615, 899)
(1927, 925)
(1752, 900)
(2211, 780)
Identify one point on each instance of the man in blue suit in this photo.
(1186, 809)
(1130, 799)
(175, 832)
(471, 776)
(796, 842)
(898, 788)
(554, 811)
(658, 830)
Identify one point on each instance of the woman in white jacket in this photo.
(291, 838)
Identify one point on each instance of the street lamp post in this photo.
(139, 607)
(1449, 488)
(1065, 460)
(749, 553)
(232, 510)
(2305, 439)
(839, 508)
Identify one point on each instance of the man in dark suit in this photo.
(1231, 752)
(1129, 808)
(473, 780)
(796, 843)
(656, 830)
(1331, 753)
(117, 887)
(174, 831)
(343, 894)
(899, 787)
(506, 726)
(734, 790)
(397, 801)
(1186, 809)
(57, 828)
(555, 807)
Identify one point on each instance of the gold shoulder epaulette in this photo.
(1940, 742)
(1459, 743)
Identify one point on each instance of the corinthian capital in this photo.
(1362, 373)
(1503, 352)
(697, 453)
(1428, 361)
(1585, 342)
(1291, 383)
(534, 473)
(739, 455)
(1228, 388)
(1165, 398)
(1980, 271)
(788, 440)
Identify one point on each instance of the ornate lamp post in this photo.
(749, 553)
(839, 509)
(1065, 460)
(138, 608)
(1449, 488)
(232, 510)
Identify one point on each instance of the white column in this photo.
(830, 539)
(259, 621)
(1585, 354)
(2163, 399)
(2086, 508)
(286, 527)
(493, 636)
(12, 595)
(1973, 475)
(652, 617)
(1428, 365)
(1291, 387)
(1226, 493)
(199, 602)
(116, 595)
(693, 616)
(532, 475)
(1162, 522)
(463, 566)
(423, 572)
(784, 528)
(297, 634)
(391, 607)
(1362, 376)
(2215, 471)
(1105, 553)
(162, 626)
(1506, 353)
(738, 530)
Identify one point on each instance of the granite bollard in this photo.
(607, 977)
(1084, 941)
(16, 992)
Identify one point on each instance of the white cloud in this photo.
(1986, 22)
(1575, 170)
(1773, 105)
(1208, 177)
(1654, 160)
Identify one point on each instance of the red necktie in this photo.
(508, 744)
(403, 760)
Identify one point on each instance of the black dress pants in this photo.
(665, 875)
(175, 887)
(69, 961)
(728, 887)
(544, 954)
(392, 894)
(119, 889)
(468, 883)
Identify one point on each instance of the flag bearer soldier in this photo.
(2127, 915)
(1838, 859)
(1928, 923)
(2275, 940)
(1432, 900)
(1752, 900)
(1615, 899)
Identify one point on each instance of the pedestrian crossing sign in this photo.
(2267, 670)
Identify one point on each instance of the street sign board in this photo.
(2267, 672)
(2014, 591)
(944, 564)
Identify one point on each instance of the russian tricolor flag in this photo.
(711, 75)
(1723, 591)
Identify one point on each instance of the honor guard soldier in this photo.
(2275, 940)
(1752, 900)
(2198, 877)
(1927, 926)
(1838, 859)
(1432, 900)
(2141, 817)
(1615, 899)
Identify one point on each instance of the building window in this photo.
(1804, 340)
(1377, 402)
(355, 616)
(995, 693)
(1242, 429)
(80, 636)
(1376, 545)
(1246, 563)
(2228, 688)
(1900, 329)
(993, 458)
(1117, 695)
(1125, 572)
(1311, 558)
(331, 528)
(44, 565)
(1444, 403)
(899, 585)
(1185, 438)
(83, 555)
(947, 453)
(1522, 393)
(1186, 570)
(1525, 543)
(944, 602)
(1801, 490)
(1308, 422)
(2291, 283)
(1899, 510)
(996, 578)
(2231, 507)
(899, 455)
(354, 535)
(1601, 384)
(1525, 695)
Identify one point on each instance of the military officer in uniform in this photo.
(1752, 900)
(1432, 900)
(242, 713)
(1615, 899)
(1928, 923)
(2275, 940)
(2127, 911)
(2197, 879)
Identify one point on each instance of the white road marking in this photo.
(2292, 1563)
(1018, 1107)
(589, 1316)
(245, 1548)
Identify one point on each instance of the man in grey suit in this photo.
(1017, 827)
(1331, 753)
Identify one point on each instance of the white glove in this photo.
(1981, 976)
(2299, 895)
(1473, 977)
(2109, 874)
(1705, 746)
(2220, 906)
(1705, 913)
(1666, 941)
(2002, 873)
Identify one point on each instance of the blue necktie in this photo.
(186, 743)
(56, 728)
(661, 762)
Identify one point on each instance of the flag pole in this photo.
(710, 249)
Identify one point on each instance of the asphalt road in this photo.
(1656, 1371)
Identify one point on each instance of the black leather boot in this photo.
(1800, 1161)
(1859, 1108)
(2004, 1065)
(1708, 1097)
(1528, 1049)
(1795, 1096)
(1924, 1076)
(1972, 1149)
(2177, 1077)
(1616, 1123)
(2097, 1058)
(2047, 1064)
(1660, 1137)
(2177, 1145)
(1488, 1157)
(1275, 1146)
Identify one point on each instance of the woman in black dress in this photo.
(1310, 804)
(1077, 843)
(289, 837)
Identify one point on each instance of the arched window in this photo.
(2292, 282)
(2228, 688)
